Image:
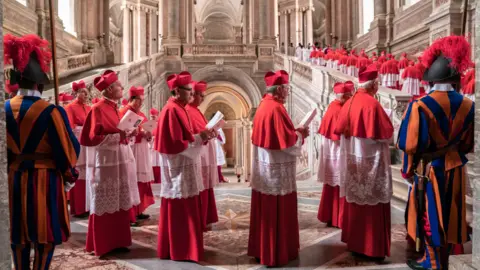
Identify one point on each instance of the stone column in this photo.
(126, 35)
(286, 26)
(276, 23)
(476, 181)
(328, 22)
(266, 38)
(310, 23)
(160, 36)
(378, 30)
(173, 21)
(239, 157)
(5, 255)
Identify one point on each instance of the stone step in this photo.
(400, 190)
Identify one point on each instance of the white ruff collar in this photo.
(29, 93)
(445, 87)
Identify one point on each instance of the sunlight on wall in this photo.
(66, 12)
(367, 14)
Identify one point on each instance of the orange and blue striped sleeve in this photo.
(413, 137)
(65, 145)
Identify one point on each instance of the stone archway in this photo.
(240, 81)
(235, 103)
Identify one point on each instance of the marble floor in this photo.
(226, 244)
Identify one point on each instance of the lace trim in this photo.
(141, 152)
(181, 176)
(274, 179)
(329, 166)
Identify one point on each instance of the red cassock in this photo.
(274, 232)
(209, 168)
(77, 113)
(141, 152)
(331, 205)
(111, 179)
(366, 179)
(180, 230)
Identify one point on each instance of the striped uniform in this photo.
(41, 148)
(438, 121)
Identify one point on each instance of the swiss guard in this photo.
(42, 152)
(435, 135)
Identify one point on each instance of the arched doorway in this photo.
(232, 101)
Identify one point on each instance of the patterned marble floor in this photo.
(226, 244)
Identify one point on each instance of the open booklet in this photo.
(216, 122)
(150, 125)
(307, 119)
(130, 121)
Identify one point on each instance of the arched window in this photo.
(366, 15)
(407, 3)
(23, 2)
(66, 12)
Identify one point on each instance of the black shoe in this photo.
(134, 224)
(143, 216)
(413, 264)
(84, 215)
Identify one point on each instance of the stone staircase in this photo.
(400, 189)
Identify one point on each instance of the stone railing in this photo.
(74, 64)
(219, 50)
(312, 88)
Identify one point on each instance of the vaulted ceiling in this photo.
(230, 10)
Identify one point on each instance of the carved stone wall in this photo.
(5, 255)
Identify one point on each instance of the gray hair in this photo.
(367, 84)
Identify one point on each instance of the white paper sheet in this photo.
(150, 125)
(216, 122)
(388, 112)
(307, 119)
(130, 121)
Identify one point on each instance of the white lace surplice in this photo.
(81, 164)
(111, 177)
(274, 171)
(366, 176)
(155, 156)
(181, 173)
(208, 160)
(411, 86)
(142, 154)
(329, 163)
(218, 145)
(390, 80)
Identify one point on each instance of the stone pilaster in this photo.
(476, 181)
(5, 256)
(173, 43)
(266, 41)
(286, 26)
(328, 22)
(445, 19)
(127, 35)
(467, 262)
(378, 26)
(309, 23)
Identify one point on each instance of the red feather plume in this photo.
(455, 48)
(17, 51)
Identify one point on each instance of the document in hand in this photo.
(388, 112)
(150, 125)
(307, 119)
(216, 122)
(130, 121)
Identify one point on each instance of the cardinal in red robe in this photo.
(77, 113)
(111, 171)
(155, 156)
(274, 232)
(329, 167)
(366, 178)
(180, 229)
(141, 152)
(208, 156)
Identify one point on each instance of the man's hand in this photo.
(204, 135)
(132, 133)
(147, 135)
(304, 131)
(123, 135)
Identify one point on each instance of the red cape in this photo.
(367, 118)
(174, 130)
(329, 121)
(197, 118)
(77, 113)
(102, 120)
(272, 127)
(123, 111)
